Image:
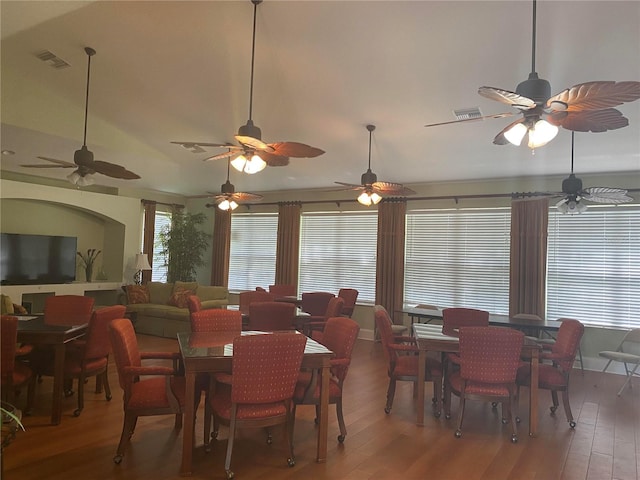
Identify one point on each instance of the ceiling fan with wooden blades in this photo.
(252, 154)
(83, 160)
(586, 107)
(228, 198)
(373, 190)
(574, 195)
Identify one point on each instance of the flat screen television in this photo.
(37, 259)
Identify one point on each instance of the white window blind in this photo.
(252, 261)
(338, 250)
(458, 258)
(593, 271)
(159, 264)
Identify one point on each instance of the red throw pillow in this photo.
(180, 297)
(137, 294)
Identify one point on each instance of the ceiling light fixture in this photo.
(227, 205)
(540, 132)
(367, 198)
(252, 165)
(81, 180)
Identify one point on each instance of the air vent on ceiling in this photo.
(467, 113)
(193, 147)
(55, 61)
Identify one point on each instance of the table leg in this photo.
(188, 424)
(533, 394)
(323, 427)
(422, 358)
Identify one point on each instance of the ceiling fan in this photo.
(574, 194)
(253, 155)
(83, 160)
(228, 198)
(372, 189)
(586, 107)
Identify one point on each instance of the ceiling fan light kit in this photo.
(81, 180)
(369, 198)
(252, 165)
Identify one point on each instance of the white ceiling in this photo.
(179, 70)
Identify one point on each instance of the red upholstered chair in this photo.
(315, 303)
(315, 324)
(14, 373)
(193, 303)
(402, 354)
(216, 320)
(247, 298)
(89, 356)
(161, 392)
(265, 369)
(68, 309)
(489, 360)
(340, 335)
(454, 318)
(271, 316)
(349, 295)
(282, 290)
(555, 376)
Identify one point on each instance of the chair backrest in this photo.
(334, 308)
(490, 354)
(567, 342)
(383, 326)
(271, 316)
(315, 303)
(631, 342)
(8, 343)
(125, 349)
(247, 298)
(68, 309)
(216, 320)
(260, 289)
(283, 290)
(454, 318)
(97, 337)
(193, 303)
(265, 368)
(340, 335)
(350, 296)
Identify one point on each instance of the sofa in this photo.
(161, 308)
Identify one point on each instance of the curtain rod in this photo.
(513, 195)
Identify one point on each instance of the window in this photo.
(252, 262)
(593, 271)
(458, 258)
(338, 250)
(159, 263)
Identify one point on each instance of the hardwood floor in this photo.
(604, 445)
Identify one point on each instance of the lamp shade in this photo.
(142, 262)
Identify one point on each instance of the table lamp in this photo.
(141, 263)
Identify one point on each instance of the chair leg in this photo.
(31, 391)
(104, 382)
(98, 384)
(291, 461)
(458, 432)
(391, 392)
(512, 417)
(232, 434)
(177, 424)
(128, 427)
(343, 428)
(554, 399)
(567, 408)
(437, 396)
(581, 361)
(78, 411)
(628, 380)
(207, 426)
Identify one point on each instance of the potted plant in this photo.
(11, 422)
(183, 245)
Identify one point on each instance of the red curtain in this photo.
(288, 243)
(148, 235)
(221, 248)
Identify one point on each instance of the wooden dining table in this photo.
(430, 338)
(33, 330)
(210, 352)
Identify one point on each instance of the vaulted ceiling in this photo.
(179, 70)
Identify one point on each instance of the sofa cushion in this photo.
(137, 294)
(159, 292)
(206, 292)
(193, 286)
(179, 297)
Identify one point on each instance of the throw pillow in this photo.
(180, 296)
(7, 305)
(19, 309)
(137, 294)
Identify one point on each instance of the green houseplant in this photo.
(183, 245)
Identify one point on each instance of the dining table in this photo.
(212, 352)
(33, 330)
(429, 338)
(300, 318)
